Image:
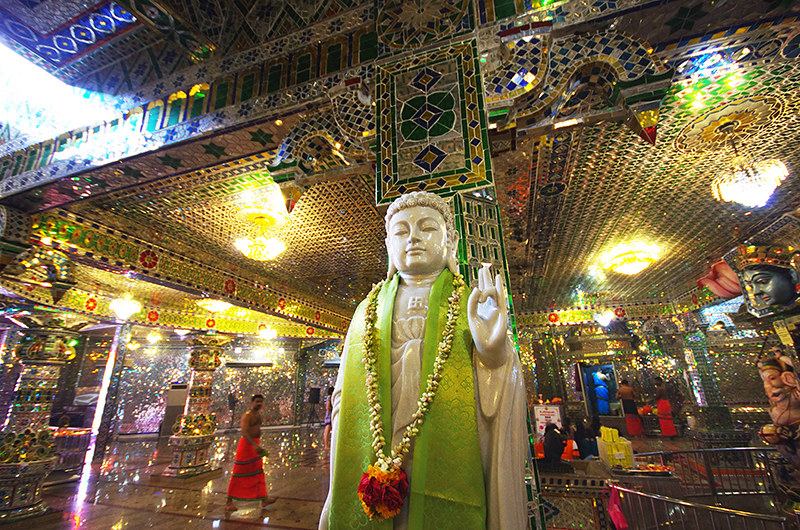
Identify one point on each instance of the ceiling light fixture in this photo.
(630, 258)
(125, 307)
(265, 210)
(182, 332)
(153, 337)
(260, 248)
(267, 333)
(604, 318)
(213, 305)
(747, 182)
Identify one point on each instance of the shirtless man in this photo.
(247, 480)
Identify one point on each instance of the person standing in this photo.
(664, 409)
(247, 480)
(232, 401)
(627, 395)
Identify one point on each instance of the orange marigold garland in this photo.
(382, 493)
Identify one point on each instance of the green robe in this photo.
(447, 488)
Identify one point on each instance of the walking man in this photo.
(247, 480)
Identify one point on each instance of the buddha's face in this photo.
(769, 287)
(417, 241)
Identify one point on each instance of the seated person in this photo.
(587, 443)
(554, 444)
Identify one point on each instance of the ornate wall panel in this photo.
(431, 123)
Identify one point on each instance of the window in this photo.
(334, 58)
(303, 73)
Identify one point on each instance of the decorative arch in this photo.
(610, 59)
(308, 141)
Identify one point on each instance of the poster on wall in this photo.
(545, 414)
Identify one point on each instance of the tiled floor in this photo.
(122, 496)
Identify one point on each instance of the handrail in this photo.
(717, 509)
(715, 450)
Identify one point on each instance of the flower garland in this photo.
(384, 486)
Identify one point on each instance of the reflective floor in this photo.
(119, 494)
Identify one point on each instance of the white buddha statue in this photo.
(440, 401)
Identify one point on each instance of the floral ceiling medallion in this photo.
(742, 117)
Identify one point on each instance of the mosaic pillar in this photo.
(105, 428)
(300, 376)
(481, 242)
(27, 453)
(194, 429)
(432, 135)
(715, 415)
(550, 380)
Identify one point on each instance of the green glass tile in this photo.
(17, 163)
(368, 46)
(333, 61)
(153, 118)
(222, 90)
(303, 72)
(45, 158)
(274, 78)
(198, 104)
(248, 87)
(175, 111)
(31, 158)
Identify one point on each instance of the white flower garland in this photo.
(395, 459)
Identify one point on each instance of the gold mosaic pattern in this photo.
(334, 235)
(109, 248)
(161, 306)
(617, 188)
(745, 116)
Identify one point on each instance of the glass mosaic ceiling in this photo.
(571, 199)
(566, 196)
(115, 47)
(334, 236)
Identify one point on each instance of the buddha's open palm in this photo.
(488, 318)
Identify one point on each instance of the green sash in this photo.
(447, 488)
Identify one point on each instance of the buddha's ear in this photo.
(392, 269)
(452, 263)
(452, 253)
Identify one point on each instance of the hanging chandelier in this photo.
(213, 305)
(749, 183)
(154, 336)
(266, 211)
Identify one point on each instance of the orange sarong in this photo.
(665, 418)
(247, 481)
